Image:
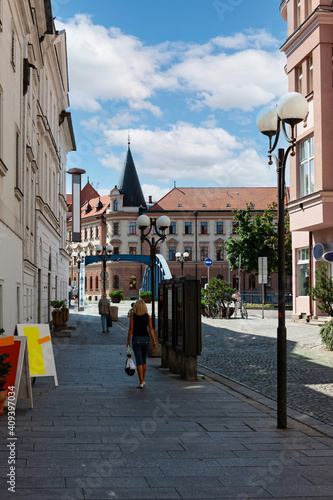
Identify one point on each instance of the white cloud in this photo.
(193, 155)
(156, 192)
(232, 72)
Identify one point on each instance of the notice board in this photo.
(40, 350)
(19, 376)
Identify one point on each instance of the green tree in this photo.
(257, 237)
(322, 292)
(217, 291)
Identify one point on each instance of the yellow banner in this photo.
(35, 351)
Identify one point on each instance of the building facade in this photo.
(201, 222)
(35, 136)
(309, 51)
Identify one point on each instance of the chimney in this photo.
(150, 199)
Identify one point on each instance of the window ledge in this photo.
(3, 168)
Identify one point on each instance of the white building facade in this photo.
(35, 136)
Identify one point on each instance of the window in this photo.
(203, 253)
(219, 227)
(132, 227)
(188, 227)
(97, 231)
(219, 253)
(235, 282)
(203, 228)
(115, 206)
(172, 228)
(85, 234)
(132, 283)
(12, 54)
(235, 226)
(306, 175)
(310, 74)
(189, 251)
(309, 7)
(220, 277)
(115, 250)
(203, 280)
(116, 282)
(132, 250)
(172, 253)
(303, 272)
(96, 282)
(91, 282)
(91, 233)
(298, 13)
(299, 79)
(116, 228)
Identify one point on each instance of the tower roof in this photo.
(129, 184)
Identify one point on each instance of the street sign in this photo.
(104, 275)
(208, 262)
(262, 270)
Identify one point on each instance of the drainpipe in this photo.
(196, 243)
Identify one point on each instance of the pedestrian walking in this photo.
(69, 295)
(139, 328)
(104, 309)
(130, 310)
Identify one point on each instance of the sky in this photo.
(183, 79)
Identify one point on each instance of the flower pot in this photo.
(147, 300)
(65, 315)
(3, 397)
(115, 300)
(56, 319)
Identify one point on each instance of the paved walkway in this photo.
(96, 436)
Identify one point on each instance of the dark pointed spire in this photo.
(129, 184)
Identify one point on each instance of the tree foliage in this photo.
(217, 291)
(322, 292)
(257, 237)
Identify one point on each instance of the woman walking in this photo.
(139, 328)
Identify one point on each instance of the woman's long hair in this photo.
(140, 308)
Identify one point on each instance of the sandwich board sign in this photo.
(40, 350)
(18, 381)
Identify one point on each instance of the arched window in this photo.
(116, 282)
(85, 282)
(203, 280)
(91, 282)
(115, 206)
(132, 284)
(96, 282)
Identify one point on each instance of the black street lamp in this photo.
(291, 110)
(104, 254)
(78, 259)
(182, 257)
(145, 224)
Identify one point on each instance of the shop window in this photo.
(132, 250)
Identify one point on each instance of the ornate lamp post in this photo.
(104, 253)
(291, 110)
(182, 257)
(145, 224)
(78, 259)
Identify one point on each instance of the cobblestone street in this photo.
(245, 351)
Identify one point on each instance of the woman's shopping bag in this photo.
(130, 367)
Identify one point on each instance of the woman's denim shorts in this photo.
(140, 347)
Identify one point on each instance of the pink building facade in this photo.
(309, 52)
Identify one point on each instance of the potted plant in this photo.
(65, 313)
(5, 369)
(57, 314)
(116, 296)
(146, 297)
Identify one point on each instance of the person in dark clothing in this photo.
(140, 327)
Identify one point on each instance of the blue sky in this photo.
(184, 78)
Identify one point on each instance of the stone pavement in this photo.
(245, 351)
(96, 436)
